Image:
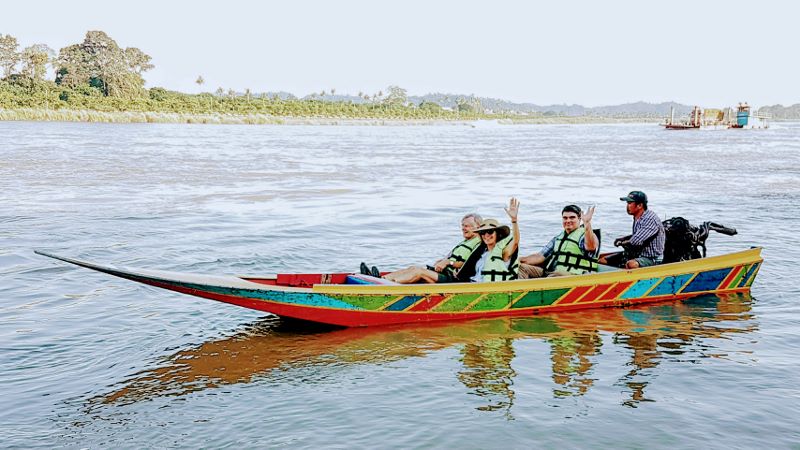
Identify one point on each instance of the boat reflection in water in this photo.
(273, 349)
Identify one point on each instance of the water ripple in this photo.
(91, 361)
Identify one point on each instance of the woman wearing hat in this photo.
(496, 258)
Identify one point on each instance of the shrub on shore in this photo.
(26, 95)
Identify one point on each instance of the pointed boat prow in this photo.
(77, 262)
(176, 281)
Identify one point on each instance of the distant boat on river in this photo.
(716, 119)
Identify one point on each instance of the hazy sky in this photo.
(711, 53)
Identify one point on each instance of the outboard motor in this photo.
(684, 240)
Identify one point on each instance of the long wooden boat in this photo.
(343, 299)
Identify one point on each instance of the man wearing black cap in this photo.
(647, 241)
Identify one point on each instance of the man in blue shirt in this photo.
(648, 238)
(571, 252)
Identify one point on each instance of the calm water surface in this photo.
(87, 360)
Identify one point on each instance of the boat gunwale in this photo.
(749, 256)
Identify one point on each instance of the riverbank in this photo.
(69, 115)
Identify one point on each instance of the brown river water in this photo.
(88, 361)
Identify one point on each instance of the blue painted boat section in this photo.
(403, 303)
(670, 285)
(707, 281)
(640, 288)
(356, 280)
(293, 298)
(307, 299)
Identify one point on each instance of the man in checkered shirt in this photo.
(647, 240)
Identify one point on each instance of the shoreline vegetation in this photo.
(98, 81)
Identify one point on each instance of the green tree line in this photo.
(99, 75)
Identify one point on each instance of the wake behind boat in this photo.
(354, 300)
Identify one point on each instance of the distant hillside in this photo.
(638, 109)
(780, 112)
(495, 105)
(641, 109)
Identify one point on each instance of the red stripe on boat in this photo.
(595, 293)
(427, 303)
(734, 273)
(616, 291)
(574, 295)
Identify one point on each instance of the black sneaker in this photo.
(375, 272)
(364, 269)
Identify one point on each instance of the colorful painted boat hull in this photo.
(368, 305)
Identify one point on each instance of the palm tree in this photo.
(200, 81)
